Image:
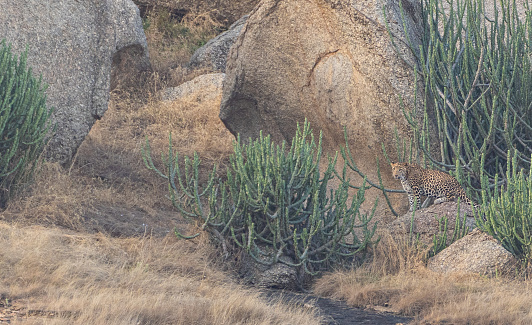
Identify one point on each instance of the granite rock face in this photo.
(73, 44)
(424, 224)
(331, 62)
(477, 252)
(213, 55)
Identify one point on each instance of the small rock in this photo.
(278, 275)
(213, 55)
(425, 221)
(204, 87)
(477, 252)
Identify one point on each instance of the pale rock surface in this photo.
(202, 88)
(424, 223)
(72, 44)
(213, 55)
(477, 252)
(331, 62)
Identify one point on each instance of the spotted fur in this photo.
(418, 182)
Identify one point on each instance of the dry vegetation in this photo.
(225, 11)
(62, 277)
(397, 280)
(92, 243)
(89, 244)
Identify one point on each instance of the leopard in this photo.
(418, 181)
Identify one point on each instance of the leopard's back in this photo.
(418, 182)
(436, 183)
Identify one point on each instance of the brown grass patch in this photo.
(398, 279)
(195, 128)
(108, 170)
(94, 279)
(392, 255)
(225, 11)
(172, 41)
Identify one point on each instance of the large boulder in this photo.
(477, 252)
(213, 55)
(425, 223)
(73, 44)
(331, 62)
(204, 87)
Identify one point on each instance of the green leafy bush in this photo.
(24, 122)
(275, 204)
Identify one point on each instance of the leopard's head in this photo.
(399, 170)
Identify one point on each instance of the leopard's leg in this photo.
(414, 198)
(411, 202)
(428, 201)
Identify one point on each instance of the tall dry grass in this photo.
(108, 170)
(95, 279)
(397, 280)
(172, 40)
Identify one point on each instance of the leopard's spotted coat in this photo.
(418, 182)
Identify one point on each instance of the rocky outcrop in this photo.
(424, 223)
(278, 275)
(204, 87)
(331, 62)
(72, 44)
(213, 55)
(477, 252)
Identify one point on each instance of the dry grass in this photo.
(225, 11)
(172, 40)
(398, 279)
(61, 266)
(434, 298)
(108, 170)
(94, 279)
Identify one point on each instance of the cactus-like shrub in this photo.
(275, 204)
(477, 70)
(507, 213)
(24, 122)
